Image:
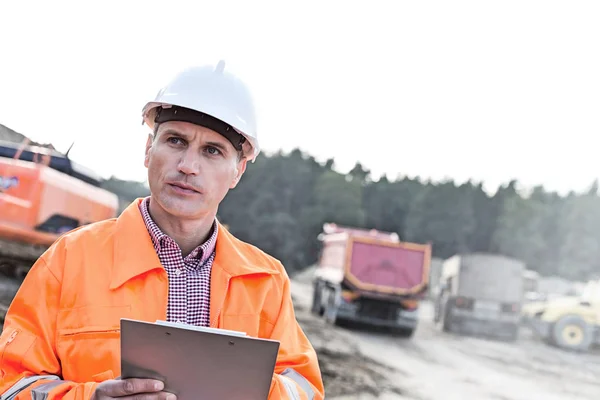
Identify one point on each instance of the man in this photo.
(165, 257)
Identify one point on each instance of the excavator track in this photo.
(16, 258)
(8, 288)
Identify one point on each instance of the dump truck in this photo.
(481, 294)
(568, 322)
(370, 277)
(43, 194)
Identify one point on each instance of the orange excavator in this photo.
(43, 194)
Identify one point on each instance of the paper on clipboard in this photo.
(201, 328)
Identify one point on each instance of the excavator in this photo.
(43, 194)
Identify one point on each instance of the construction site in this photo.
(388, 320)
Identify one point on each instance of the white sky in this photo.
(488, 90)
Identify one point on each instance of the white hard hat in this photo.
(199, 93)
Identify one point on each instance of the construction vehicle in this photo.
(481, 295)
(370, 277)
(43, 194)
(568, 322)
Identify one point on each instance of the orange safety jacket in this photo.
(61, 332)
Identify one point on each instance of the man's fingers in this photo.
(150, 396)
(127, 387)
(166, 396)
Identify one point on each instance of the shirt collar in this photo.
(203, 251)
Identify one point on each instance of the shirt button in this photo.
(177, 272)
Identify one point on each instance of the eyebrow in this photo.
(171, 131)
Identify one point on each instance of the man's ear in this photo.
(240, 169)
(148, 147)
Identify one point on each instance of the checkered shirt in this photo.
(189, 277)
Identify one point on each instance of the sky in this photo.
(488, 91)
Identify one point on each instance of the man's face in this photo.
(190, 169)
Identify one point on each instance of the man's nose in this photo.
(189, 163)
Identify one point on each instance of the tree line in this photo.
(283, 200)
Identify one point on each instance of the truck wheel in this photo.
(316, 307)
(446, 323)
(404, 333)
(330, 308)
(512, 334)
(573, 333)
(436, 312)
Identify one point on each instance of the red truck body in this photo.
(370, 276)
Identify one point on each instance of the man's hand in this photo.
(139, 389)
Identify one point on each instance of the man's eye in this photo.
(174, 140)
(213, 150)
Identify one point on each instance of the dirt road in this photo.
(433, 365)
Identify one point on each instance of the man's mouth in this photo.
(183, 188)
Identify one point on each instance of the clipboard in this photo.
(196, 362)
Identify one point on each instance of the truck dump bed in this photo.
(375, 261)
(387, 267)
(486, 277)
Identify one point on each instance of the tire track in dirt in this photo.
(345, 369)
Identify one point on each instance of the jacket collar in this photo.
(134, 252)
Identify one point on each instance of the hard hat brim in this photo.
(249, 147)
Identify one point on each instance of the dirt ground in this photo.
(359, 364)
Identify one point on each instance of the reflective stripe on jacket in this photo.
(61, 332)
